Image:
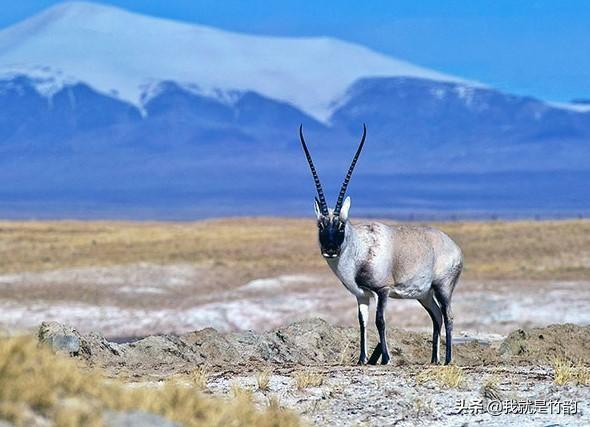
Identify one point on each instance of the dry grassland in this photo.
(259, 247)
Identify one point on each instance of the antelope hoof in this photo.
(385, 359)
(362, 361)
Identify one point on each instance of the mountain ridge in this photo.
(433, 146)
(188, 54)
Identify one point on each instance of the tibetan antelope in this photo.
(380, 261)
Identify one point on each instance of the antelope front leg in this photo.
(363, 312)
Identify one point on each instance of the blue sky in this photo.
(540, 48)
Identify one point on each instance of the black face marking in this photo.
(331, 232)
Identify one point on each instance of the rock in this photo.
(95, 346)
(307, 342)
(209, 341)
(135, 419)
(65, 339)
(160, 352)
(514, 345)
(60, 338)
(4, 423)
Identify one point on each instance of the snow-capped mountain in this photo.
(126, 55)
(107, 112)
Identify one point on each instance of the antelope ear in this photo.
(344, 210)
(316, 208)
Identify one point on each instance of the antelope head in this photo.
(331, 222)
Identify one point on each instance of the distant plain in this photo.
(137, 278)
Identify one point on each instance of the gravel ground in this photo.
(391, 396)
(309, 365)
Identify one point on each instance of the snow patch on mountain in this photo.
(578, 108)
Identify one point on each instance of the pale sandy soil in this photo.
(146, 298)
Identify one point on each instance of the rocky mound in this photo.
(308, 342)
(543, 344)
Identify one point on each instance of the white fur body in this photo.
(406, 259)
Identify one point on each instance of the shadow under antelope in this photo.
(381, 261)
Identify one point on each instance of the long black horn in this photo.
(349, 174)
(316, 178)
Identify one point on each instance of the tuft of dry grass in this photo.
(35, 383)
(263, 380)
(200, 376)
(274, 402)
(565, 372)
(491, 389)
(450, 376)
(308, 378)
(583, 375)
(241, 393)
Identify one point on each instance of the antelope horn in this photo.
(316, 178)
(349, 174)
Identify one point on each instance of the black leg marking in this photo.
(382, 296)
(363, 331)
(376, 355)
(448, 318)
(431, 306)
(445, 305)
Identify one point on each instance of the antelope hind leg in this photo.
(433, 309)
